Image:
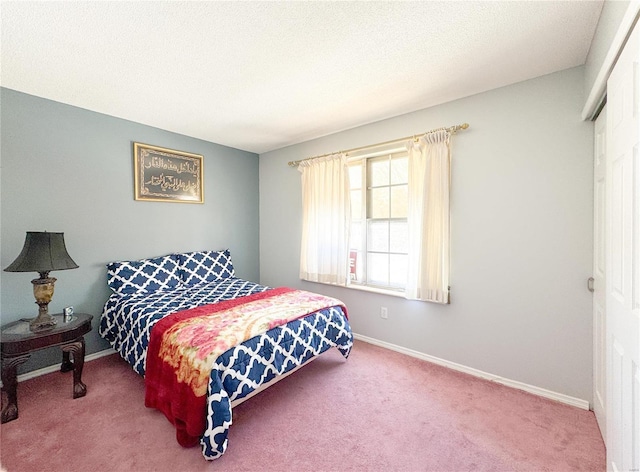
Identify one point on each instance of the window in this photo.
(381, 219)
(379, 231)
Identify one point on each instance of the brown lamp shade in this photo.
(42, 252)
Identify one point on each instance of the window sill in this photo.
(364, 288)
(382, 291)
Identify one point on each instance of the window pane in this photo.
(355, 176)
(399, 236)
(400, 170)
(379, 230)
(378, 236)
(378, 269)
(355, 241)
(379, 204)
(356, 266)
(379, 172)
(398, 270)
(399, 202)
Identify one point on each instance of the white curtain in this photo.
(428, 217)
(326, 214)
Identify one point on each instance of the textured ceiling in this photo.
(262, 75)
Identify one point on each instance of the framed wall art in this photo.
(167, 175)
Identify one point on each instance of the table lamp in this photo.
(43, 252)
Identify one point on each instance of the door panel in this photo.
(599, 272)
(622, 260)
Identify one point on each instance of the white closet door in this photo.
(599, 272)
(623, 260)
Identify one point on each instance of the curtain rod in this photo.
(451, 129)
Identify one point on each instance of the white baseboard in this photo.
(56, 367)
(559, 397)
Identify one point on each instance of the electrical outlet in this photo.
(383, 312)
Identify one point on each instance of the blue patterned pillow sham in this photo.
(145, 275)
(205, 266)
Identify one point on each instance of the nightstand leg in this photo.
(67, 365)
(77, 350)
(10, 385)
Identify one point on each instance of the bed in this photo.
(206, 340)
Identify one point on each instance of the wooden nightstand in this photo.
(17, 344)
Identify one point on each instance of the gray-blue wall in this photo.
(71, 170)
(521, 237)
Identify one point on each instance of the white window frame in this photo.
(364, 162)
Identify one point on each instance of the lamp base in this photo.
(42, 323)
(43, 291)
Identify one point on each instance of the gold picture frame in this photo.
(167, 175)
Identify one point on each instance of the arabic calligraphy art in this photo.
(166, 175)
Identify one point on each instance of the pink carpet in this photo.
(379, 410)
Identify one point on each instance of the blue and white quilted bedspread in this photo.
(128, 319)
(242, 369)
